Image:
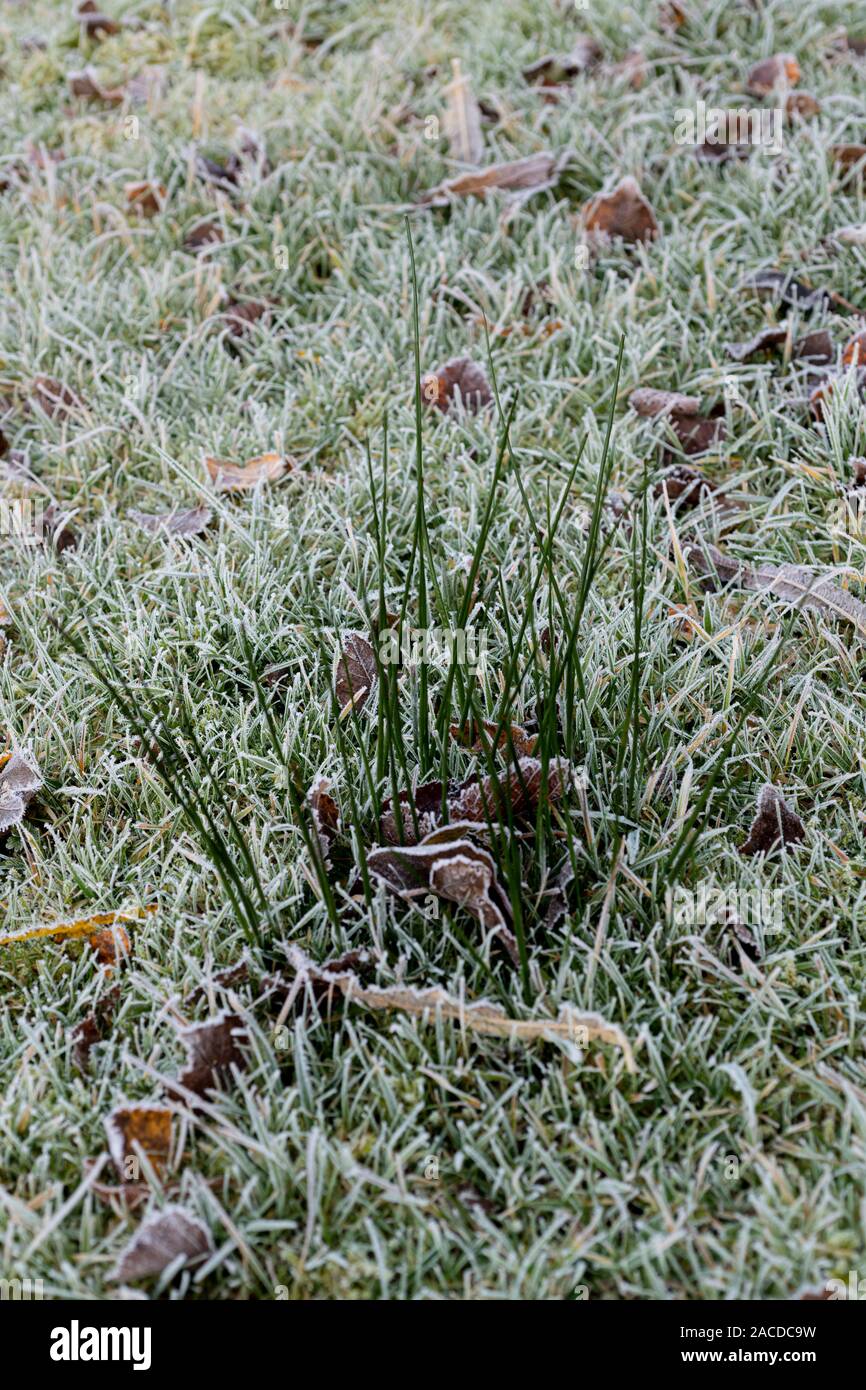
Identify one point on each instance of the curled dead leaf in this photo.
(523, 176)
(146, 197)
(20, 779)
(782, 70)
(774, 825)
(213, 1051)
(169, 1237)
(243, 477)
(86, 85)
(623, 212)
(459, 382)
(477, 1017)
(794, 584)
(182, 523)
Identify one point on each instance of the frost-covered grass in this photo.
(372, 1155)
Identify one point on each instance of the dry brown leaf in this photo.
(95, 24)
(165, 1238)
(136, 1129)
(553, 72)
(241, 315)
(427, 802)
(453, 868)
(774, 824)
(183, 523)
(854, 353)
(695, 432)
(20, 779)
(85, 84)
(782, 70)
(623, 212)
(478, 1017)
(557, 905)
(53, 398)
(649, 402)
(530, 175)
(325, 813)
(243, 477)
(684, 485)
(847, 155)
(111, 946)
(792, 583)
(355, 673)
(463, 119)
(92, 1029)
(146, 197)
(201, 235)
(213, 1050)
(478, 738)
(519, 788)
(802, 104)
(459, 381)
(813, 347)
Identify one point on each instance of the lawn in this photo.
(216, 246)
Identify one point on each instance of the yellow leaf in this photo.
(70, 931)
(242, 477)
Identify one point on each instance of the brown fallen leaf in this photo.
(649, 402)
(684, 485)
(847, 155)
(111, 945)
(241, 316)
(623, 212)
(326, 815)
(94, 1028)
(243, 477)
(802, 104)
(355, 673)
(212, 1051)
(82, 927)
(53, 398)
(518, 788)
(222, 175)
(201, 235)
(814, 347)
(480, 737)
(742, 940)
(85, 84)
(783, 286)
(463, 119)
(452, 868)
(183, 523)
(672, 15)
(782, 70)
(695, 432)
(530, 175)
(427, 803)
(95, 24)
(20, 779)
(718, 151)
(459, 381)
(854, 352)
(169, 1237)
(774, 824)
(792, 583)
(146, 197)
(135, 1130)
(554, 71)
(478, 1017)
